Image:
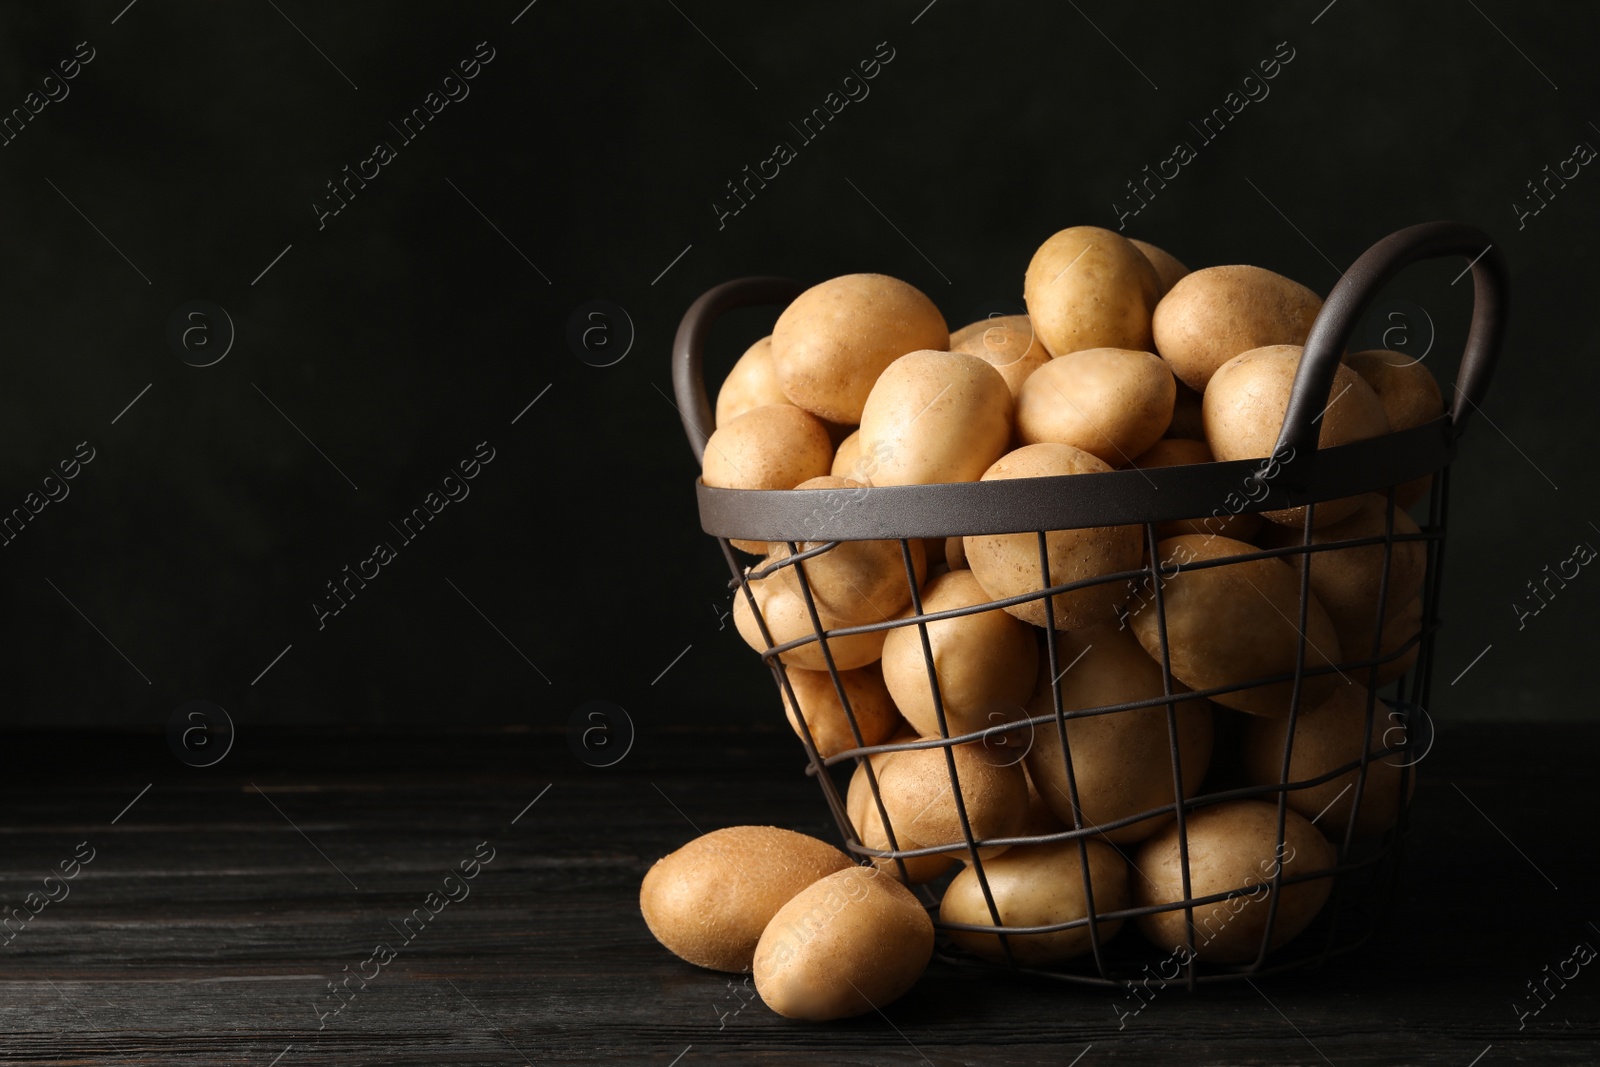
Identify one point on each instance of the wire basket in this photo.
(1362, 871)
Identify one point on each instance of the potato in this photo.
(1406, 388)
(1233, 845)
(1216, 313)
(934, 417)
(1121, 760)
(1244, 410)
(752, 383)
(1041, 818)
(1087, 287)
(1005, 342)
(833, 341)
(868, 823)
(1347, 580)
(986, 662)
(1111, 402)
(788, 620)
(955, 553)
(709, 901)
(1325, 737)
(1410, 397)
(776, 446)
(848, 944)
(847, 458)
(1178, 452)
(1235, 622)
(1038, 885)
(1007, 565)
(915, 787)
(874, 712)
(1168, 268)
(855, 582)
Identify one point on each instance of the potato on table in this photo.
(709, 901)
(850, 943)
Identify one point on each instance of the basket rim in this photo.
(1072, 501)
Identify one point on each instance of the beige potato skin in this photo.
(1233, 623)
(1214, 314)
(1088, 287)
(915, 787)
(832, 342)
(1410, 396)
(1007, 565)
(934, 417)
(855, 582)
(1113, 403)
(776, 446)
(874, 711)
(752, 383)
(850, 943)
(1231, 846)
(986, 661)
(1005, 342)
(868, 823)
(709, 901)
(788, 620)
(1038, 885)
(1169, 269)
(1348, 581)
(847, 458)
(1179, 452)
(1328, 736)
(1121, 760)
(1244, 410)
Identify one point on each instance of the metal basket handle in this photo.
(688, 377)
(1342, 311)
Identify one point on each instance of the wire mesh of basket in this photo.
(1197, 930)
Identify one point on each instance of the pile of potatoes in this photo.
(1125, 359)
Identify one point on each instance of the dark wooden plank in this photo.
(207, 927)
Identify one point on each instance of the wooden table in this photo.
(218, 906)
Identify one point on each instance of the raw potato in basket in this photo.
(1121, 760)
(855, 582)
(985, 661)
(1234, 622)
(1007, 343)
(1008, 565)
(836, 338)
(1244, 407)
(1039, 885)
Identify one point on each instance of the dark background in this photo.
(408, 330)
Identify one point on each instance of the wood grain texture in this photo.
(213, 916)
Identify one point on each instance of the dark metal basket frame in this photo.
(1305, 477)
